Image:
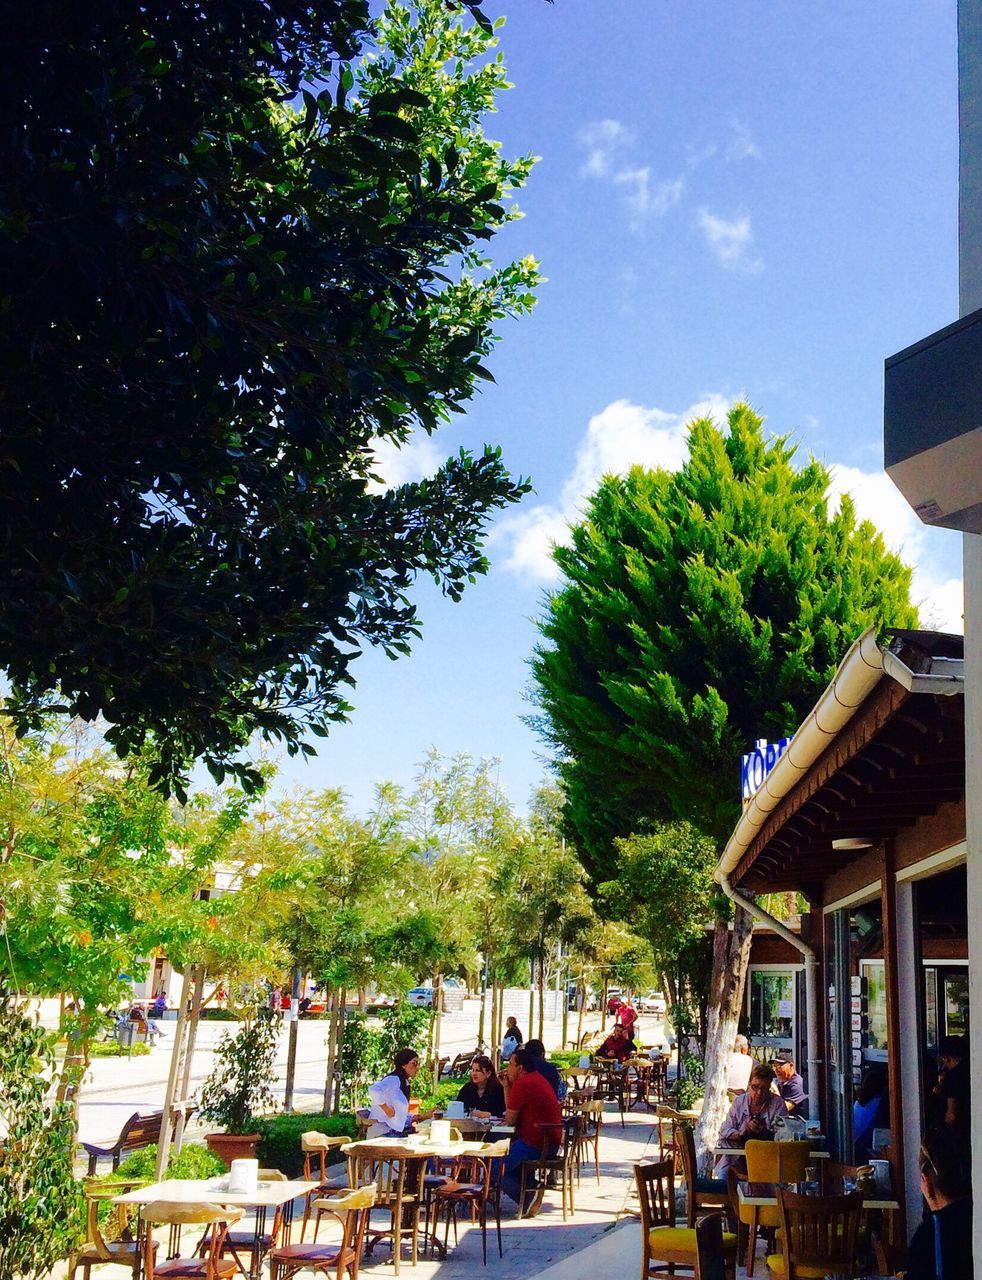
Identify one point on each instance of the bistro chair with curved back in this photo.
(122, 1249)
(253, 1245)
(710, 1253)
(668, 1122)
(769, 1161)
(209, 1264)
(819, 1236)
(560, 1164)
(664, 1245)
(701, 1194)
(316, 1147)
(482, 1188)
(353, 1209)
(593, 1123)
(399, 1180)
(659, 1078)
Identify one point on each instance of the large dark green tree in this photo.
(701, 609)
(239, 249)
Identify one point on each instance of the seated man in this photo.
(740, 1065)
(790, 1086)
(619, 1046)
(752, 1115)
(942, 1244)
(546, 1068)
(533, 1108)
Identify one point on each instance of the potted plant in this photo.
(239, 1088)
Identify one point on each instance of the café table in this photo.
(415, 1152)
(469, 1127)
(266, 1196)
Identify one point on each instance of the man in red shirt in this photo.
(618, 1046)
(533, 1108)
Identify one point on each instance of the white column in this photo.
(970, 299)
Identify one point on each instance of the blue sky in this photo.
(753, 198)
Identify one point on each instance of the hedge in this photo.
(279, 1141)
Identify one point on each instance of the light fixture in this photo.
(852, 842)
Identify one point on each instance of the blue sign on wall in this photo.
(758, 763)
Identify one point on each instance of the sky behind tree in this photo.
(753, 199)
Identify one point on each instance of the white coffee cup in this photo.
(243, 1176)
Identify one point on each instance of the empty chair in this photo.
(209, 1263)
(353, 1209)
(481, 1190)
(819, 1236)
(770, 1162)
(665, 1246)
(96, 1249)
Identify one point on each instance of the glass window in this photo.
(876, 1007)
(956, 1004)
(771, 1005)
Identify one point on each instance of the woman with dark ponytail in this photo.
(389, 1113)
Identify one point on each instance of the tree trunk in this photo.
(582, 1010)
(291, 1057)
(339, 1049)
(603, 1006)
(493, 1037)
(564, 994)
(331, 1051)
(484, 1004)
(437, 1018)
(531, 1021)
(669, 989)
(542, 997)
(731, 955)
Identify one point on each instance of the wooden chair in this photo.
(209, 1265)
(659, 1079)
(769, 1161)
(249, 1243)
(593, 1123)
(315, 1147)
(665, 1246)
(96, 1249)
(710, 1253)
(819, 1235)
(353, 1209)
(560, 1164)
(399, 1181)
(700, 1193)
(483, 1189)
(668, 1121)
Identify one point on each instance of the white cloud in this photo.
(617, 438)
(603, 139)
(742, 145)
(939, 598)
(624, 434)
(420, 456)
(731, 241)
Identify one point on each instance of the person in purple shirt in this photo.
(752, 1115)
(790, 1085)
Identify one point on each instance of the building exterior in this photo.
(864, 814)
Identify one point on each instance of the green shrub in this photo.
(110, 1049)
(192, 1161)
(220, 1015)
(446, 1091)
(279, 1142)
(566, 1057)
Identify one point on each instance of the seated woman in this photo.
(482, 1095)
(389, 1097)
(752, 1115)
(870, 1110)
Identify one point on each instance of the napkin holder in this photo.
(455, 1110)
(243, 1176)
(439, 1132)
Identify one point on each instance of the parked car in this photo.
(420, 996)
(652, 1003)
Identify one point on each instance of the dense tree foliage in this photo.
(702, 609)
(239, 247)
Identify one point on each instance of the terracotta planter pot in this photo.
(233, 1146)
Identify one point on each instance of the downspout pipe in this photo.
(811, 982)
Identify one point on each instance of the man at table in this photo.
(740, 1065)
(533, 1108)
(547, 1068)
(941, 1247)
(752, 1115)
(790, 1085)
(618, 1046)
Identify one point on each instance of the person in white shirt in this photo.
(389, 1097)
(741, 1065)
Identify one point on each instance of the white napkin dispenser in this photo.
(243, 1176)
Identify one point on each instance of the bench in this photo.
(138, 1131)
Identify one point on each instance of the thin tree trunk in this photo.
(331, 1051)
(542, 997)
(582, 1010)
(291, 1056)
(339, 1050)
(564, 993)
(531, 1021)
(437, 1019)
(493, 1037)
(603, 1006)
(669, 988)
(484, 1005)
(731, 956)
